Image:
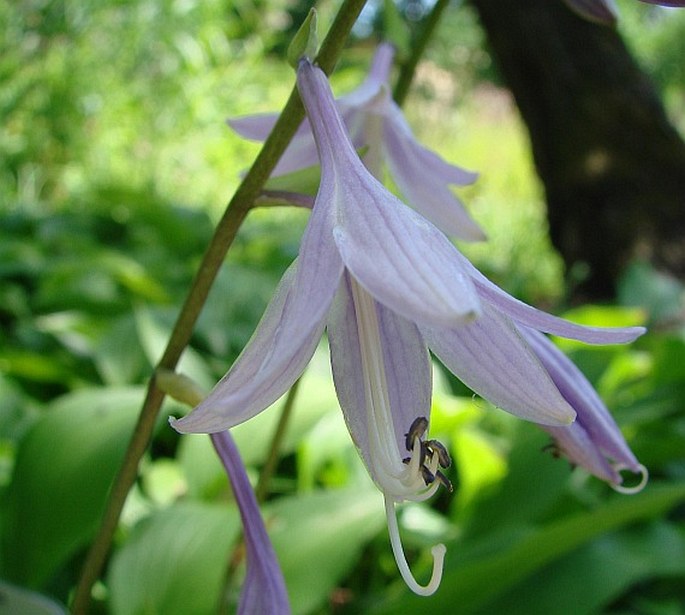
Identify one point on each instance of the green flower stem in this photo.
(409, 67)
(236, 211)
(262, 488)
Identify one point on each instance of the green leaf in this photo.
(174, 562)
(318, 538)
(63, 470)
(472, 582)
(589, 578)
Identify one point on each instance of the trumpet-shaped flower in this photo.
(388, 285)
(264, 588)
(376, 124)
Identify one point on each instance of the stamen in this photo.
(444, 480)
(438, 552)
(644, 473)
(416, 430)
(443, 456)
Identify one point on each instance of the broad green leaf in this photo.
(318, 538)
(589, 578)
(174, 561)
(472, 582)
(64, 467)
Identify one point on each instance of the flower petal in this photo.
(491, 357)
(264, 587)
(575, 444)
(285, 338)
(417, 173)
(400, 258)
(300, 153)
(527, 315)
(397, 256)
(592, 413)
(407, 370)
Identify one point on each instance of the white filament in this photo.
(398, 481)
(644, 473)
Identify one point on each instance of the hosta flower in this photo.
(387, 285)
(264, 588)
(593, 441)
(376, 124)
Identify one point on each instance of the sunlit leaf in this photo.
(175, 561)
(63, 470)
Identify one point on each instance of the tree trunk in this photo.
(612, 166)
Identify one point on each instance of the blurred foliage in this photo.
(114, 162)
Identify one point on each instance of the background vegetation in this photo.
(114, 165)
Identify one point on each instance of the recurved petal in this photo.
(440, 168)
(264, 587)
(407, 370)
(529, 316)
(423, 178)
(404, 261)
(575, 444)
(285, 338)
(254, 127)
(593, 415)
(491, 357)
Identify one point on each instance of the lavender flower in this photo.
(387, 285)
(593, 438)
(375, 122)
(264, 588)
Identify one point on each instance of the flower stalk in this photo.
(224, 235)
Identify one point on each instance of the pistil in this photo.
(411, 478)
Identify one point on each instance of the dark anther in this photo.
(444, 481)
(553, 449)
(416, 430)
(427, 475)
(434, 446)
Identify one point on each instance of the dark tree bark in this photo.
(612, 166)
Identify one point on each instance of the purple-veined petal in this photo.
(417, 176)
(254, 127)
(407, 370)
(377, 77)
(300, 153)
(491, 357)
(264, 587)
(674, 3)
(439, 168)
(285, 338)
(575, 444)
(592, 413)
(599, 11)
(536, 319)
(400, 258)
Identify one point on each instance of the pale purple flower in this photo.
(593, 441)
(264, 588)
(387, 285)
(376, 124)
(605, 11)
